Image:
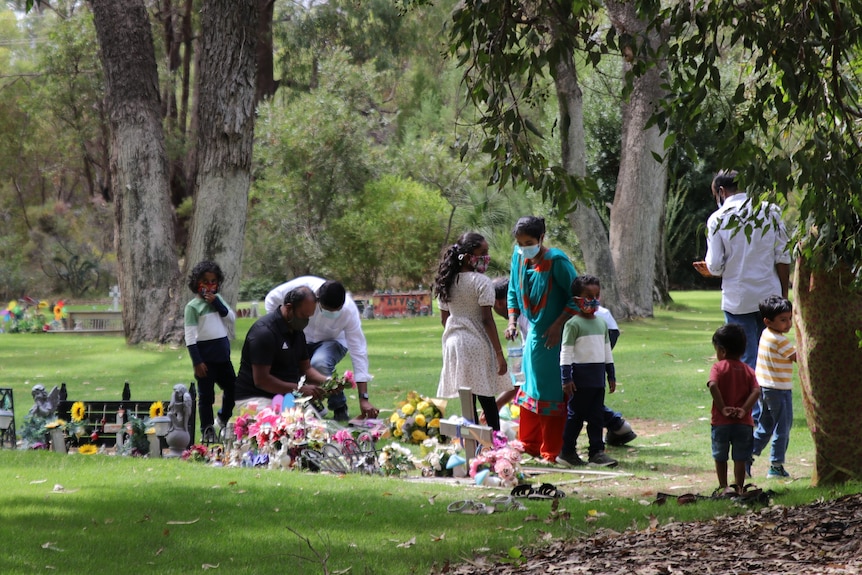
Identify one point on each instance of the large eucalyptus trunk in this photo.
(827, 314)
(225, 137)
(639, 201)
(144, 234)
(585, 220)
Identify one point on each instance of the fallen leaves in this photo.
(192, 522)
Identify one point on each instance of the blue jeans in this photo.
(325, 355)
(753, 325)
(776, 419)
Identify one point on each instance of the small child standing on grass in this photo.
(209, 346)
(585, 360)
(734, 390)
(775, 357)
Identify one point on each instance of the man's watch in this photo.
(363, 396)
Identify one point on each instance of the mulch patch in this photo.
(822, 538)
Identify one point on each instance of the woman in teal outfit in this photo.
(540, 282)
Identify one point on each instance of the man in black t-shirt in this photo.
(274, 355)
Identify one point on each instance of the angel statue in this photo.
(180, 408)
(45, 403)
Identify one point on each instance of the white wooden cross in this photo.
(472, 434)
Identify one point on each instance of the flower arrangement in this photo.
(138, 443)
(334, 382)
(77, 428)
(87, 449)
(270, 431)
(416, 419)
(197, 452)
(503, 462)
(435, 456)
(157, 409)
(395, 459)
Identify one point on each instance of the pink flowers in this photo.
(504, 461)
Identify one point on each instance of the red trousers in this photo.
(542, 435)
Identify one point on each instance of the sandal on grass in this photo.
(547, 491)
(469, 507)
(507, 503)
(522, 490)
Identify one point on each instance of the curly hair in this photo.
(450, 263)
(198, 272)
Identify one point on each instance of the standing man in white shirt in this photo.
(751, 268)
(332, 332)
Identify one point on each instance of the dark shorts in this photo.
(736, 435)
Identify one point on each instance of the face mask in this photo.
(480, 263)
(529, 252)
(327, 313)
(297, 323)
(587, 305)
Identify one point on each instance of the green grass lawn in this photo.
(157, 515)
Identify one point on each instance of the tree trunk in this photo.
(639, 201)
(266, 82)
(225, 137)
(144, 236)
(827, 314)
(585, 220)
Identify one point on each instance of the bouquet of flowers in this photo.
(416, 419)
(198, 453)
(270, 431)
(502, 463)
(395, 459)
(435, 456)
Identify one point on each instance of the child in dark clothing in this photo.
(585, 360)
(208, 344)
(734, 390)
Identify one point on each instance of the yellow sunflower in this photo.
(78, 411)
(157, 409)
(55, 424)
(88, 449)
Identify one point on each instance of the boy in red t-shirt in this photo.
(734, 390)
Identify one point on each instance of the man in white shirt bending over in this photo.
(331, 333)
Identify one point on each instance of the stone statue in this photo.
(45, 403)
(179, 412)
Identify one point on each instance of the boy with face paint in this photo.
(207, 341)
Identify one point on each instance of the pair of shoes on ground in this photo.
(602, 459)
(544, 491)
(495, 505)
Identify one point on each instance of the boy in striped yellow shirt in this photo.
(775, 357)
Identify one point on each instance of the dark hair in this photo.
(725, 179)
(501, 288)
(530, 226)
(731, 338)
(450, 263)
(199, 270)
(582, 281)
(331, 294)
(298, 295)
(774, 305)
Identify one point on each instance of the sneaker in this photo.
(777, 471)
(208, 435)
(603, 459)
(748, 465)
(619, 440)
(341, 415)
(570, 460)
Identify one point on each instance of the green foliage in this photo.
(255, 289)
(314, 156)
(389, 238)
(793, 126)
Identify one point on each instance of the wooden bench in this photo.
(103, 416)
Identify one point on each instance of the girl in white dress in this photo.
(472, 353)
